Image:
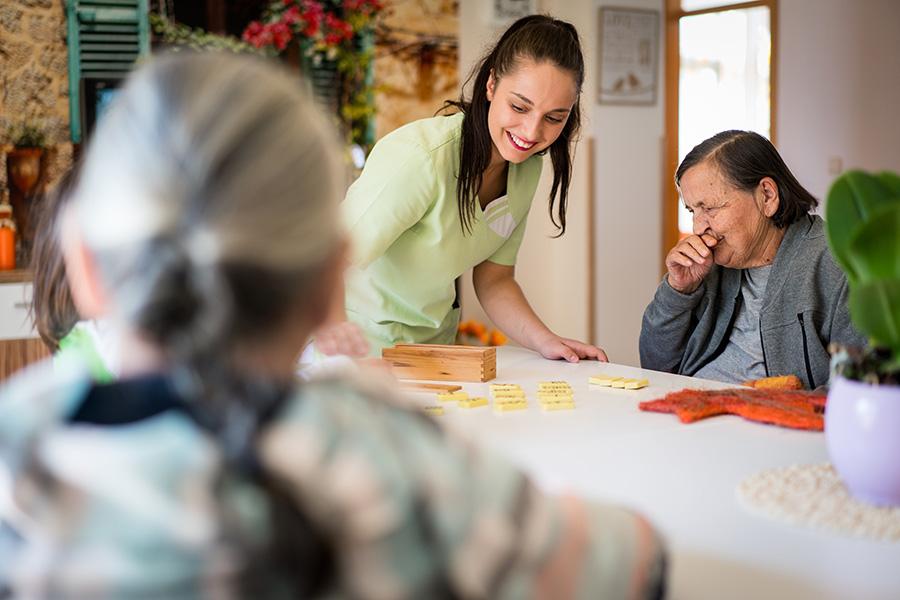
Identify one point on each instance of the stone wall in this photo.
(34, 71)
(34, 79)
(418, 71)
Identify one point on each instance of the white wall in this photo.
(838, 87)
(628, 172)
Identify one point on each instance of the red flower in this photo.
(312, 15)
(291, 15)
(366, 7)
(281, 35)
(338, 30)
(252, 33)
(309, 19)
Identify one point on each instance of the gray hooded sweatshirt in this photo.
(803, 310)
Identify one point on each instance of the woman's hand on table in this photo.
(557, 347)
(689, 262)
(341, 338)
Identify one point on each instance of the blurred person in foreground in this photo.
(204, 228)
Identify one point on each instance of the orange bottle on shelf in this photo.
(7, 236)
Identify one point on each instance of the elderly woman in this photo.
(754, 292)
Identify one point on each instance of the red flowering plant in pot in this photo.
(335, 40)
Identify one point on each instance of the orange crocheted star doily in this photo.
(795, 409)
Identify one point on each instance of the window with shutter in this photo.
(105, 38)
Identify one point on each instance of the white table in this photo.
(683, 477)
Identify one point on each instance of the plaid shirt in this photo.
(91, 511)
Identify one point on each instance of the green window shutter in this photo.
(105, 38)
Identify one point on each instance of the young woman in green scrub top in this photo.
(443, 195)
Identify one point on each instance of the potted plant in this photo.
(862, 420)
(335, 39)
(23, 160)
(24, 167)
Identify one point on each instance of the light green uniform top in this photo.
(82, 341)
(408, 243)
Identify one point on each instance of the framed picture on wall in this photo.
(629, 50)
(504, 12)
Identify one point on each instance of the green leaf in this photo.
(892, 366)
(875, 310)
(851, 200)
(869, 192)
(892, 182)
(874, 249)
(841, 219)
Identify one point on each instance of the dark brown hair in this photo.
(540, 38)
(745, 157)
(52, 308)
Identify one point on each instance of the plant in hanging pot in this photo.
(23, 161)
(335, 39)
(24, 168)
(862, 420)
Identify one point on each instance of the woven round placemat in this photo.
(814, 496)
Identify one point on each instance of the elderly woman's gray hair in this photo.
(209, 198)
(744, 158)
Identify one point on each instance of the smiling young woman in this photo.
(442, 195)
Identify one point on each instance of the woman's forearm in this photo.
(505, 304)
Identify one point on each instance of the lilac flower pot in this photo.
(862, 429)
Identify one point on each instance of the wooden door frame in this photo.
(673, 14)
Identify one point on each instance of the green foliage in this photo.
(869, 365)
(27, 134)
(875, 310)
(863, 227)
(180, 36)
(853, 200)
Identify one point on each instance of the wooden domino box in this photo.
(442, 363)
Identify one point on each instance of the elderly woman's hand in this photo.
(341, 338)
(690, 261)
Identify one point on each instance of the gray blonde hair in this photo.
(209, 198)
